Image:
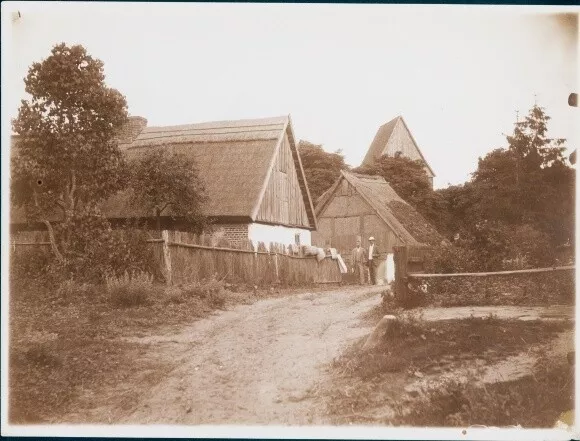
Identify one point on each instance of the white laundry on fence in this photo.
(390, 268)
(341, 265)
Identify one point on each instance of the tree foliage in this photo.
(66, 157)
(321, 168)
(410, 181)
(529, 182)
(519, 203)
(165, 182)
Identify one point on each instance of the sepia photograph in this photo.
(289, 220)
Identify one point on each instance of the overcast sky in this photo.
(456, 74)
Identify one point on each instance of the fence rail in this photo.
(409, 262)
(190, 262)
(494, 273)
(182, 262)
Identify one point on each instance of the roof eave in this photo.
(417, 147)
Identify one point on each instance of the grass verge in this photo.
(364, 384)
(534, 401)
(67, 345)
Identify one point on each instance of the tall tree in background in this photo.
(164, 182)
(66, 159)
(529, 182)
(409, 179)
(321, 168)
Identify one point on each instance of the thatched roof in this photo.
(381, 139)
(234, 160)
(404, 220)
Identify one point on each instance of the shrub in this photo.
(71, 288)
(213, 291)
(451, 259)
(531, 245)
(174, 295)
(92, 250)
(130, 290)
(28, 265)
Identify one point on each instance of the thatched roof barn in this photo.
(392, 139)
(363, 206)
(251, 169)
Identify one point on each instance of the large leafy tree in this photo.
(529, 182)
(165, 182)
(409, 179)
(66, 159)
(321, 168)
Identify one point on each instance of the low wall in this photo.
(529, 289)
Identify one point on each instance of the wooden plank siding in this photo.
(283, 201)
(402, 141)
(347, 216)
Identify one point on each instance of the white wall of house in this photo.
(277, 233)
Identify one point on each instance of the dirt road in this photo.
(254, 364)
(257, 363)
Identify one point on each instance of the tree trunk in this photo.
(158, 215)
(53, 245)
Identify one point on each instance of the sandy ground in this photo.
(254, 364)
(261, 363)
(555, 312)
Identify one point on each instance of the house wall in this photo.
(234, 233)
(347, 216)
(277, 233)
(401, 141)
(283, 202)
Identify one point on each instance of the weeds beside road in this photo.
(72, 342)
(80, 355)
(459, 372)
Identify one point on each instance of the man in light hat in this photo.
(373, 260)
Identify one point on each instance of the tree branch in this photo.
(167, 204)
(53, 246)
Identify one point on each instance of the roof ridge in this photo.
(276, 120)
(397, 227)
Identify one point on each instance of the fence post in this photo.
(401, 289)
(166, 256)
(274, 249)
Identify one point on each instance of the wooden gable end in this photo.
(401, 142)
(283, 201)
(344, 202)
(346, 216)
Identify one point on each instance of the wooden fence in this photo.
(409, 266)
(182, 262)
(184, 257)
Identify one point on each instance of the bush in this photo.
(128, 290)
(451, 259)
(92, 250)
(212, 291)
(530, 245)
(69, 289)
(28, 265)
(174, 295)
(494, 246)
